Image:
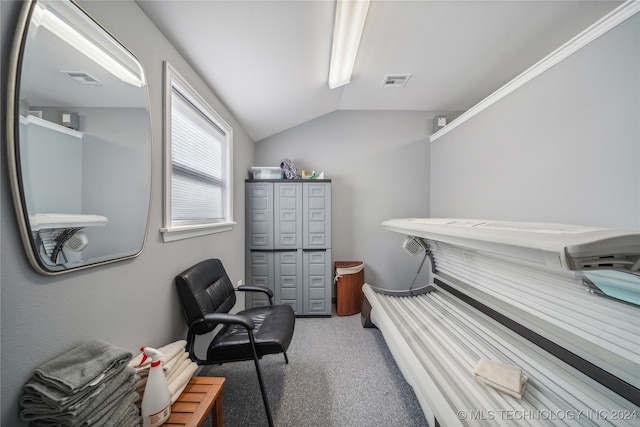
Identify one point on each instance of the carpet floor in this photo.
(339, 375)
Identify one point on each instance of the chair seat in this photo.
(272, 334)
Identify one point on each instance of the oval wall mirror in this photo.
(78, 140)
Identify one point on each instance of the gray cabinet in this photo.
(259, 217)
(287, 208)
(288, 241)
(288, 271)
(316, 215)
(316, 298)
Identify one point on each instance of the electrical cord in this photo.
(426, 253)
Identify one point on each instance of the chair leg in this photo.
(286, 359)
(267, 408)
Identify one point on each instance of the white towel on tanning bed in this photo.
(503, 377)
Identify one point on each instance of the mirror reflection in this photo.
(82, 142)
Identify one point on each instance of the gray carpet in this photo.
(339, 374)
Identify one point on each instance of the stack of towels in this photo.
(91, 385)
(177, 366)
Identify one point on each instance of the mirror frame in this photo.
(16, 183)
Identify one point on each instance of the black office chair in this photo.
(207, 295)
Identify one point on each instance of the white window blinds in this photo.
(197, 162)
(198, 187)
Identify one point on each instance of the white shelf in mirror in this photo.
(50, 125)
(46, 221)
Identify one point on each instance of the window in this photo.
(198, 147)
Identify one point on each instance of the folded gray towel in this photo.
(110, 415)
(112, 391)
(131, 419)
(39, 397)
(110, 394)
(120, 413)
(83, 367)
(91, 382)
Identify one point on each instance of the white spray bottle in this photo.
(156, 400)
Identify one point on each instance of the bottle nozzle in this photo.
(154, 354)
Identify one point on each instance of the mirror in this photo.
(78, 140)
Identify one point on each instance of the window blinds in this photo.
(197, 162)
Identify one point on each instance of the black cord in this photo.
(418, 272)
(61, 240)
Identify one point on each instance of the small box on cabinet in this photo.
(260, 172)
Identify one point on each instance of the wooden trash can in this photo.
(349, 293)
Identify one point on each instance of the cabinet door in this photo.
(288, 279)
(287, 215)
(259, 215)
(316, 215)
(259, 272)
(317, 282)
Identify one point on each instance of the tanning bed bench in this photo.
(527, 295)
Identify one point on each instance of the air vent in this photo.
(84, 78)
(395, 80)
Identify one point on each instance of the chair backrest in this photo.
(205, 288)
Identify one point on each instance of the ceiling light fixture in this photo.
(44, 17)
(347, 31)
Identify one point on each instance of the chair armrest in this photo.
(227, 319)
(256, 288)
(223, 318)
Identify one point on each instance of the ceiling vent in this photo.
(395, 80)
(84, 78)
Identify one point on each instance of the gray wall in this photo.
(563, 148)
(50, 170)
(129, 303)
(378, 164)
(114, 168)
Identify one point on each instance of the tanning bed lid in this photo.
(568, 247)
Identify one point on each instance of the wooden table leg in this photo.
(202, 396)
(216, 413)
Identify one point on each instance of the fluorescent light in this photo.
(74, 38)
(347, 31)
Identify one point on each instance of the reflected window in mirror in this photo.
(198, 147)
(78, 140)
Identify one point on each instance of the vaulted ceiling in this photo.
(268, 60)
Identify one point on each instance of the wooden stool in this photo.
(201, 396)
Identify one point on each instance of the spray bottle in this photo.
(156, 400)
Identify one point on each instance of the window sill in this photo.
(189, 231)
